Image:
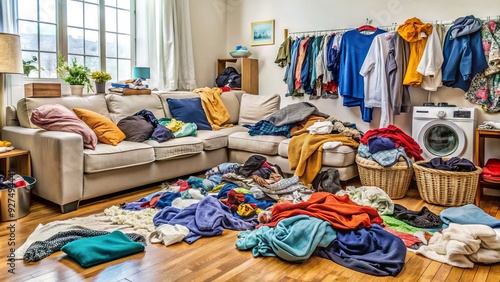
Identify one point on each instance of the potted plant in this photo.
(28, 67)
(75, 74)
(100, 78)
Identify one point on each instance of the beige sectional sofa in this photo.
(67, 173)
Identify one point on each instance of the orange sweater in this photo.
(415, 32)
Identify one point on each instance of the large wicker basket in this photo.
(394, 180)
(446, 188)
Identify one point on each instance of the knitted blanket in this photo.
(462, 245)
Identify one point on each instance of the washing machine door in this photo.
(441, 138)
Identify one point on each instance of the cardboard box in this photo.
(42, 90)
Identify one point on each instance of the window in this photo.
(97, 33)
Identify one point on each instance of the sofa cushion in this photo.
(339, 157)
(257, 107)
(189, 110)
(136, 128)
(56, 117)
(216, 139)
(125, 154)
(25, 106)
(121, 107)
(261, 144)
(176, 148)
(107, 132)
(231, 100)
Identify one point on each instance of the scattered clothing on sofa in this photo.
(463, 245)
(264, 127)
(327, 180)
(302, 127)
(370, 196)
(340, 211)
(187, 128)
(207, 218)
(303, 235)
(100, 249)
(294, 113)
(213, 106)
(345, 128)
(424, 218)
(100, 222)
(42, 249)
(398, 137)
(468, 214)
(305, 153)
(372, 251)
(160, 133)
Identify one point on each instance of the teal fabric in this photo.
(293, 239)
(188, 129)
(100, 249)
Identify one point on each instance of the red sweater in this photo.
(412, 149)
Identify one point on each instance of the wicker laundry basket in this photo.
(394, 180)
(446, 188)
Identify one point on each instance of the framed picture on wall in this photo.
(262, 33)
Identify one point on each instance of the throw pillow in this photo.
(55, 117)
(257, 107)
(107, 132)
(189, 110)
(136, 128)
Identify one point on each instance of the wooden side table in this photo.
(19, 160)
(481, 135)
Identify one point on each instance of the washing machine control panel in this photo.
(441, 114)
(462, 114)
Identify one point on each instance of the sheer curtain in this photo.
(163, 32)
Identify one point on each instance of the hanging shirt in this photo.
(396, 65)
(353, 49)
(431, 61)
(375, 78)
(415, 32)
(283, 56)
(300, 61)
(291, 69)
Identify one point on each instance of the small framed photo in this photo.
(262, 33)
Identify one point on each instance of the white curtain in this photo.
(163, 32)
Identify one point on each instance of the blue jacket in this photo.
(463, 59)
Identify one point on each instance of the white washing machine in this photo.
(445, 131)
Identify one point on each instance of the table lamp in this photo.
(141, 72)
(10, 54)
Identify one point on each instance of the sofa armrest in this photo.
(56, 160)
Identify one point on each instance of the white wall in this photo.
(298, 15)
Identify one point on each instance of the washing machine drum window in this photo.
(441, 140)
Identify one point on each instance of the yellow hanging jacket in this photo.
(416, 33)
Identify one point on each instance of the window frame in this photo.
(62, 37)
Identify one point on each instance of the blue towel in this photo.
(206, 218)
(468, 214)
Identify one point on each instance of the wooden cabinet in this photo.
(249, 72)
(18, 160)
(481, 135)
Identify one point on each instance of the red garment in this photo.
(339, 211)
(233, 200)
(407, 238)
(412, 149)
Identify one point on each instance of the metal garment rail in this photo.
(391, 27)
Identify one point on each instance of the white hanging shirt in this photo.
(375, 77)
(431, 62)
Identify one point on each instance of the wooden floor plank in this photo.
(216, 258)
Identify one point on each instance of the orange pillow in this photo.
(107, 132)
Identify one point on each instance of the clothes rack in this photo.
(390, 27)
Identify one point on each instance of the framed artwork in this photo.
(262, 33)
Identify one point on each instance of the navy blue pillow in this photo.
(189, 110)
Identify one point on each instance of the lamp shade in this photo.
(141, 72)
(10, 53)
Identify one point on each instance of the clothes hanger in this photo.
(367, 26)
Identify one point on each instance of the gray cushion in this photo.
(123, 106)
(257, 107)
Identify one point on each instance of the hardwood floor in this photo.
(215, 258)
